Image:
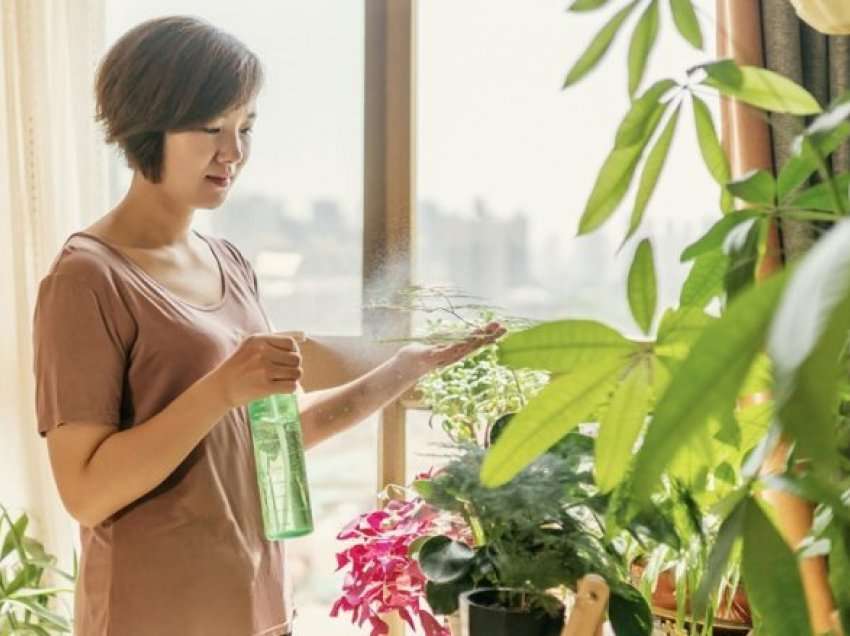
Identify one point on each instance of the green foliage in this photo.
(31, 595)
(536, 532)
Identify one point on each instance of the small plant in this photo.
(466, 397)
(28, 600)
(541, 530)
(383, 576)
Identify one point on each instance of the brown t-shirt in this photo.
(113, 345)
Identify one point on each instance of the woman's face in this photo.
(201, 164)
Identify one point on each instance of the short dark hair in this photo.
(169, 74)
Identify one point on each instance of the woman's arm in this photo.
(99, 470)
(328, 412)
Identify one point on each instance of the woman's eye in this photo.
(212, 131)
(246, 131)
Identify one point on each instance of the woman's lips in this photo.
(222, 182)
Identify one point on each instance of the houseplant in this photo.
(687, 381)
(538, 532)
(31, 603)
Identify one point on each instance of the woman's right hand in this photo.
(262, 365)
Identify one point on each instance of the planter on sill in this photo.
(737, 619)
(505, 612)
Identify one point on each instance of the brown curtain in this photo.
(819, 62)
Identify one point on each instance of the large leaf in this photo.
(806, 342)
(621, 425)
(640, 47)
(767, 90)
(772, 578)
(635, 126)
(705, 280)
(615, 176)
(562, 346)
(557, 410)
(730, 531)
(757, 186)
(686, 21)
(642, 286)
(445, 561)
(716, 236)
(651, 171)
(709, 144)
(598, 46)
(706, 384)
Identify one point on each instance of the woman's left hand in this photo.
(422, 358)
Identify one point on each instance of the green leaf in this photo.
(757, 186)
(642, 286)
(444, 560)
(651, 171)
(640, 47)
(443, 598)
(715, 238)
(635, 126)
(620, 426)
(819, 197)
(629, 612)
(563, 346)
(686, 21)
(806, 342)
(730, 530)
(14, 535)
(768, 90)
(772, 578)
(615, 177)
(726, 71)
(586, 5)
(709, 144)
(706, 384)
(557, 410)
(801, 166)
(705, 280)
(598, 46)
(839, 569)
(743, 246)
(679, 330)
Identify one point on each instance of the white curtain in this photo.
(53, 180)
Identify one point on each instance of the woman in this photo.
(149, 341)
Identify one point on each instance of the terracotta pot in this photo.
(827, 16)
(737, 618)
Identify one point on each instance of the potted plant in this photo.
(383, 576)
(31, 601)
(539, 533)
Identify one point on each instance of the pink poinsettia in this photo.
(382, 576)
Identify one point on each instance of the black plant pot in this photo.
(499, 612)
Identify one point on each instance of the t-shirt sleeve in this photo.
(80, 353)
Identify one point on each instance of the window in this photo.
(506, 160)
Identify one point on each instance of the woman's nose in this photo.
(231, 150)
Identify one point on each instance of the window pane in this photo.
(507, 160)
(296, 213)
